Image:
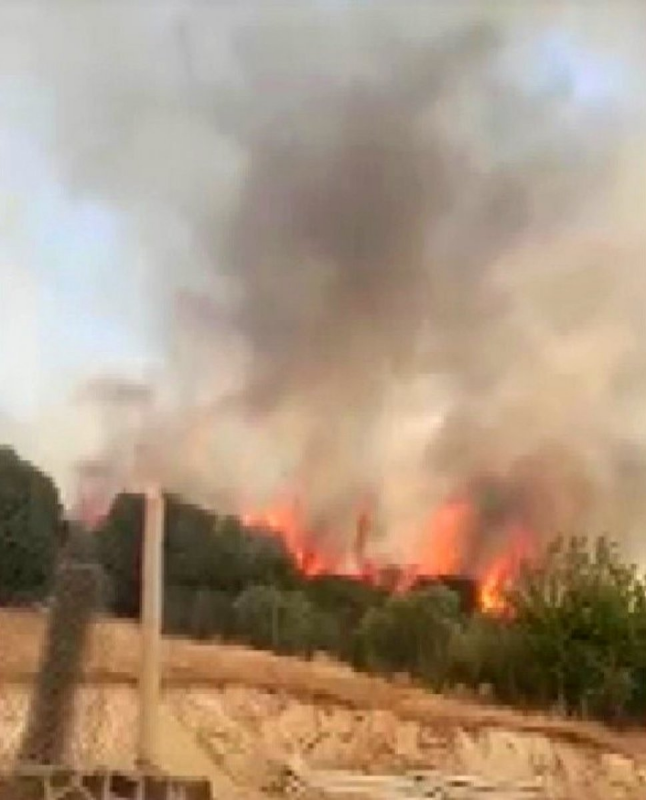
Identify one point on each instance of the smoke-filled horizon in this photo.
(352, 252)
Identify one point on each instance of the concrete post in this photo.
(151, 626)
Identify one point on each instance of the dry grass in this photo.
(114, 657)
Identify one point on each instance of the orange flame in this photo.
(444, 539)
(492, 588)
(504, 569)
(286, 521)
(443, 550)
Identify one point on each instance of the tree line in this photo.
(574, 638)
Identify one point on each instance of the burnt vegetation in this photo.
(574, 638)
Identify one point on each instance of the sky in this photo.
(69, 308)
(57, 258)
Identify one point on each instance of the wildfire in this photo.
(494, 584)
(445, 539)
(286, 520)
(504, 570)
(445, 544)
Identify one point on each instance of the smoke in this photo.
(364, 251)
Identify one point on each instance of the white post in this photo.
(151, 626)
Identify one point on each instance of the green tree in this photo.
(282, 621)
(341, 603)
(488, 651)
(178, 601)
(119, 553)
(30, 527)
(190, 550)
(411, 633)
(245, 558)
(211, 614)
(581, 616)
(200, 551)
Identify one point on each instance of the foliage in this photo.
(201, 613)
(201, 551)
(486, 651)
(190, 550)
(411, 633)
(243, 558)
(575, 635)
(581, 614)
(343, 603)
(119, 553)
(177, 607)
(30, 525)
(210, 614)
(282, 621)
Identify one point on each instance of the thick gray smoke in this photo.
(378, 252)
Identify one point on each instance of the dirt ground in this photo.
(114, 657)
(252, 710)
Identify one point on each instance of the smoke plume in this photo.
(371, 252)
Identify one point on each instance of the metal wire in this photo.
(51, 711)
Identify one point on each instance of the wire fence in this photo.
(63, 737)
(102, 732)
(53, 715)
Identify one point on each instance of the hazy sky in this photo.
(57, 256)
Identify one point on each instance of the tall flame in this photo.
(444, 547)
(504, 569)
(445, 538)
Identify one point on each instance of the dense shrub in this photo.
(343, 603)
(581, 618)
(282, 621)
(574, 637)
(242, 558)
(201, 551)
(411, 633)
(119, 553)
(177, 607)
(484, 651)
(30, 526)
(210, 614)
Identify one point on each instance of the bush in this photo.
(575, 637)
(119, 553)
(211, 614)
(246, 558)
(342, 603)
(282, 621)
(410, 633)
(177, 609)
(477, 654)
(580, 617)
(30, 527)
(200, 551)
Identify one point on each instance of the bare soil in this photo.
(114, 658)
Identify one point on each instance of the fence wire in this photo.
(56, 717)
